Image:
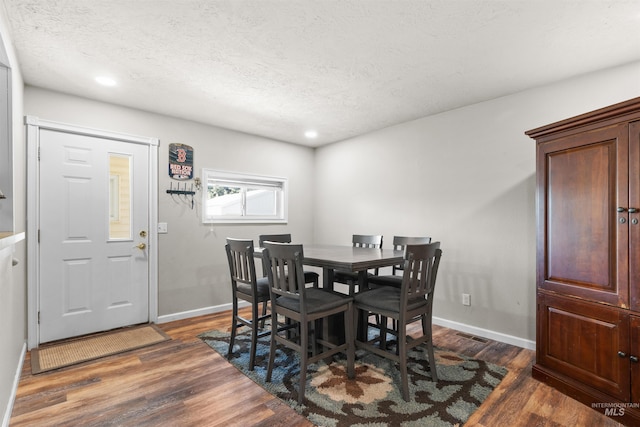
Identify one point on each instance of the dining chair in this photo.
(309, 276)
(350, 278)
(412, 301)
(291, 300)
(395, 279)
(246, 286)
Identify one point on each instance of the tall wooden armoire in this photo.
(588, 259)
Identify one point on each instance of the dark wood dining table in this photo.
(360, 260)
(335, 257)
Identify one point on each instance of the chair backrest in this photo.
(283, 262)
(421, 264)
(281, 238)
(242, 266)
(366, 241)
(400, 242)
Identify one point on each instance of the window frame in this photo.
(244, 181)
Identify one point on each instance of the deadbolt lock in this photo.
(143, 233)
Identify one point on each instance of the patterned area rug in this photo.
(372, 398)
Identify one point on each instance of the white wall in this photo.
(466, 178)
(193, 270)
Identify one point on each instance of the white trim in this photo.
(14, 388)
(33, 126)
(200, 312)
(81, 130)
(33, 221)
(485, 333)
(153, 229)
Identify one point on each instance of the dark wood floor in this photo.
(183, 382)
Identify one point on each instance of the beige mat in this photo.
(68, 353)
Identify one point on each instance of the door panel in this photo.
(585, 246)
(634, 218)
(90, 279)
(634, 353)
(581, 340)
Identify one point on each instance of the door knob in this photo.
(634, 359)
(141, 246)
(632, 210)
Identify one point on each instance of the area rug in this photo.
(373, 397)
(80, 350)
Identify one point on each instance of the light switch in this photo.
(162, 228)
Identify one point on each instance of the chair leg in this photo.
(402, 351)
(264, 312)
(272, 347)
(234, 326)
(350, 338)
(426, 328)
(316, 329)
(254, 335)
(304, 356)
(355, 320)
(383, 332)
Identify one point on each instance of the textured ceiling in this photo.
(346, 67)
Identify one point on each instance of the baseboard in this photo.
(199, 312)
(485, 333)
(14, 388)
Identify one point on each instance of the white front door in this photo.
(94, 234)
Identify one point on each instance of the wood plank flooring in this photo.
(184, 383)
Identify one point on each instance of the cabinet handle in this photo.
(621, 209)
(634, 359)
(622, 354)
(632, 210)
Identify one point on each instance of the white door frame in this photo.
(33, 126)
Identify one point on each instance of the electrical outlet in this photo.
(466, 299)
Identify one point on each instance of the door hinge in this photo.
(38, 235)
(38, 153)
(38, 318)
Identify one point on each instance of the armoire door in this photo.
(634, 216)
(634, 357)
(585, 341)
(582, 238)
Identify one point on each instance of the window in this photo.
(119, 197)
(234, 197)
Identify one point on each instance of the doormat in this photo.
(373, 397)
(80, 350)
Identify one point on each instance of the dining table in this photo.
(349, 258)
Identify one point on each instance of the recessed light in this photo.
(311, 134)
(106, 81)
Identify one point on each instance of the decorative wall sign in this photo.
(180, 161)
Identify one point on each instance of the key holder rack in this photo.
(183, 192)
